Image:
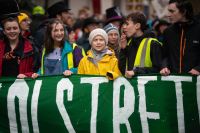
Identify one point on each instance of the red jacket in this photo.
(26, 62)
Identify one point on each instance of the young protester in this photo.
(181, 40)
(8, 8)
(100, 60)
(113, 38)
(16, 53)
(58, 56)
(140, 54)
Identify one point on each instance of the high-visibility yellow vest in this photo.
(42, 61)
(70, 60)
(143, 58)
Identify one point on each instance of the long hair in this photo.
(49, 42)
(185, 7)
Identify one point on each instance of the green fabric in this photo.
(122, 104)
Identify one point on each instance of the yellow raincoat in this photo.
(107, 66)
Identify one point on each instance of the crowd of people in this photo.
(36, 45)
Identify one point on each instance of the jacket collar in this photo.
(67, 48)
(106, 57)
(185, 24)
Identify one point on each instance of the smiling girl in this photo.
(58, 56)
(16, 52)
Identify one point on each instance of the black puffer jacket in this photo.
(190, 47)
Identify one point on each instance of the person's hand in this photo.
(34, 75)
(21, 76)
(67, 73)
(129, 74)
(165, 71)
(123, 41)
(194, 72)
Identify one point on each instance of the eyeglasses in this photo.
(27, 20)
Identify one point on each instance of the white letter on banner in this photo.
(64, 84)
(34, 105)
(198, 95)
(121, 115)
(142, 103)
(0, 86)
(179, 97)
(20, 90)
(95, 81)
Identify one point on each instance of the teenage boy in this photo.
(139, 54)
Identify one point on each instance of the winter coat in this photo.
(107, 66)
(26, 62)
(190, 52)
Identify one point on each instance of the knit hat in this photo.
(22, 16)
(110, 27)
(96, 32)
(38, 10)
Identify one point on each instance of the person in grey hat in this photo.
(100, 60)
(113, 38)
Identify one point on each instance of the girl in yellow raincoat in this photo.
(99, 60)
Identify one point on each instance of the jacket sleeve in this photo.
(156, 55)
(164, 51)
(77, 56)
(28, 74)
(74, 70)
(115, 73)
(122, 60)
(81, 67)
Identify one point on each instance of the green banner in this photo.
(88, 104)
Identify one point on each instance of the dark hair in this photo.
(138, 17)
(49, 42)
(185, 7)
(3, 22)
(10, 19)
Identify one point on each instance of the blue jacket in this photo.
(65, 51)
